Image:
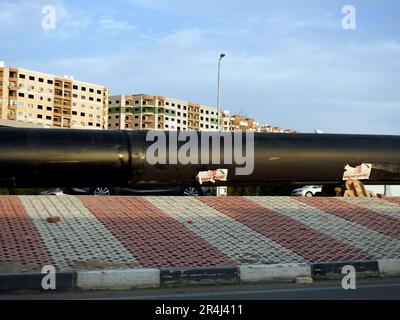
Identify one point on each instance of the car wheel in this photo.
(101, 191)
(309, 195)
(191, 191)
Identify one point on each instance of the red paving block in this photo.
(394, 200)
(20, 243)
(154, 238)
(380, 222)
(309, 243)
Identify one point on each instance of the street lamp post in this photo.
(220, 190)
(222, 55)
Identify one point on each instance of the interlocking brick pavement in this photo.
(79, 240)
(305, 241)
(152, 236)
(164, 232)
(393, 200)
(21, 248)
(381, 206)
(373, 243)
(238, 241)
(361, 215)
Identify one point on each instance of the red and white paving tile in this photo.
(182, 232)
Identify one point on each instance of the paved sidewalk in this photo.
(172, 232)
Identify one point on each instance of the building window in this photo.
(74, 113)
(21, 95)
(31, 96)
(82, 114)
(41, 80)
(91, 90)
(98, 100)
(98, 91)
(40, 107)
(48, 117)
(75, 87)
(83, 89)
(49, 108)
(32, 78)
(39, 116)
(90, 124)
(50, 82)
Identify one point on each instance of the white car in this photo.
(307, 191)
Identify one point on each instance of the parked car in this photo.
(108, 191)
(307, 191)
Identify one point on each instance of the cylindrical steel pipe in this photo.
(85, 158)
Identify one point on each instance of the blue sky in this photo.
(288, 63)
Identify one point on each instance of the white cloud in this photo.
(115, 25)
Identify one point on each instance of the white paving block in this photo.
(118, 279)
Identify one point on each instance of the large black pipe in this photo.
(83, 158)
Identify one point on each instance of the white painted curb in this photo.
(118, 279)
(389, 267)
(274, 272)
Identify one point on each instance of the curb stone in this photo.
(33, 281)
(154, 278)
(333, 270)
(276, 272)
(199, 276)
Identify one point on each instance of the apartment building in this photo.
(146, 112)
(237, 122)
(51, 101)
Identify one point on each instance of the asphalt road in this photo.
(376, 289)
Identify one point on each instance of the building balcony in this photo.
(12, 107)
(12, 116)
